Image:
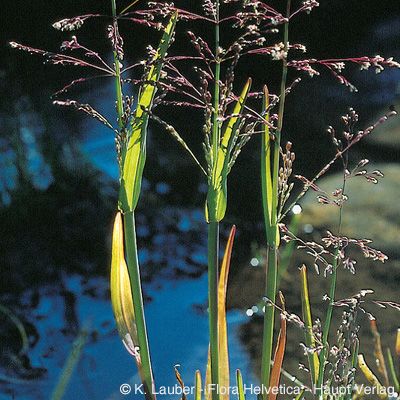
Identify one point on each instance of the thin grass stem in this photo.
(216, 130)
(213, 250)
(213, 227)
(117, 66)
(332, 290)
(137, 296)
(271, 218)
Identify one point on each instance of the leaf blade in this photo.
(121, 298)
(222, 324)
(134, 156)
(381, 391)
(217, 195)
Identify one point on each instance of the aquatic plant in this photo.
(229, 123)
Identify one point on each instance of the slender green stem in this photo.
(328, 319)
(272, 226)
(213, 228)
(216, 130)
(332, 290)
(136, 287)
(269, 317)
(282, 97)
(118, 84)
(392, 370)
(213, 251)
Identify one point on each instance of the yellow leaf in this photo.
(121, 295)
(197, 395)
(207, 391)
(372, 379)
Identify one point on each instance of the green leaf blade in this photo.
(134, 156)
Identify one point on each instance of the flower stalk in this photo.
(269, 184)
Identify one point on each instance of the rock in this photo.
(372, 210)
(388, 134)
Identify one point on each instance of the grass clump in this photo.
(230, 119)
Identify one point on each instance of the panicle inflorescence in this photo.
(336, 66)
(285, 172)
(74, 23)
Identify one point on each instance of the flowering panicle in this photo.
(73, 24)
(116, 41)
(336, 66)
(285, 172)
(342, 242)
(209, 8)
(179, 89)
(259, 16)
(86, 108)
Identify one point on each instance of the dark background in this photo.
(56, 213)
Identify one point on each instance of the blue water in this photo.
(178, 334)
(178, 331)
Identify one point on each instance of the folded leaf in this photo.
(134, 155)
(266, 180)
(217, 195)
(121, 295)
(266, 175)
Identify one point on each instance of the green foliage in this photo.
(217, 192)
(134, 154)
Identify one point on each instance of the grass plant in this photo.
(230, 122)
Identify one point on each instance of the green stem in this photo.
(282, 97)
(269, 317)
(272, 226)
(327, 326)
(332, 290)
(213, 251)
(118, 84)
(392, 370)
(213, 228)
(216, 130)
(136, 287)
